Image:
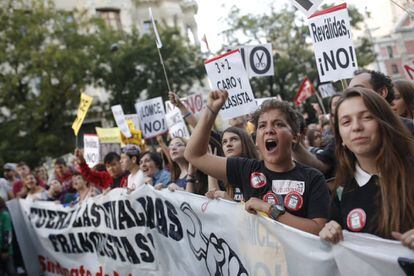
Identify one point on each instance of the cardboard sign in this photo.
(176, 124)
(326, 89)
(85, 103)
(332, 42)
(120, 120)
(152, 115)
(226, 72)
(108, 135)
(91, 149)
(307, 7)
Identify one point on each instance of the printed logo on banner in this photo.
(152, 115)
(335, 56)
(307, 7)
(226, 72)
(283, 187)
(219, 257)
(91, 149)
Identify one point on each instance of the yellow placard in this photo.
(136, 137)
(108, 135)
(84, 105)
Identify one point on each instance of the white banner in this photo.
(91, 149)
(151, 232)
(226, 72)
(120, 120)
(335, 56)
(152, 115)
(176, 124)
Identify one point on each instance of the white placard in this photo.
(326, 89)
(152, 115)
(335, 55)
(307, 7)
(176, 124)
(135, 119)
(91, 149)
(259, 60)
(120, 120)
(226, 72)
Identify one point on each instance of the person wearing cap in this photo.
(130, 162)
(113, 177)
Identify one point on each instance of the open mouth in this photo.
(270, 144)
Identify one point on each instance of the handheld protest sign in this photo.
(91, 149)
(307, 7)
(176, 124)
(259, 60)
(194, 103)
(120, 120)
(335, 55)
(152, 115)
(108, 135)
(135, 120)
(326, 89)
(84, 105)
(227, 72)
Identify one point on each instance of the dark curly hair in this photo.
(379, 81)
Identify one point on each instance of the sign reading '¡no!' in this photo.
(226, 72)
(335, 56)
(152, 115)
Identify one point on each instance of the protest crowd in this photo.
(351, 170)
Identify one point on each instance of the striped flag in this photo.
(204, 39)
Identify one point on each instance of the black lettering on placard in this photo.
(178, 133)
(154, 126)
(331, 60)
(222, 65)
(236, 100)
(306, 4)
(263, 59)
(150, 110)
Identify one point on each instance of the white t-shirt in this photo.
(135, 180)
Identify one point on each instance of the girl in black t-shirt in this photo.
(375, 161)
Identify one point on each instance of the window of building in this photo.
(112, 17)
(394, 69)
(389, 51)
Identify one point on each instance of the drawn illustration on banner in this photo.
(220, 259)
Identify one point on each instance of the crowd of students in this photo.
(349, 172)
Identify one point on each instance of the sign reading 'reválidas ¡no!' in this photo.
(335, 55)
(227, 72)
(152, 115)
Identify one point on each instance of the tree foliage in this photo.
(48, 59)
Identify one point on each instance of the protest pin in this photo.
(152, 115)
(91, 149)
(226, 72)
(176, 124)
(335, 56)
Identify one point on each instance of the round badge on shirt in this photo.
(356, 219)
(271, 198)
(293, 201)
(257, 180)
